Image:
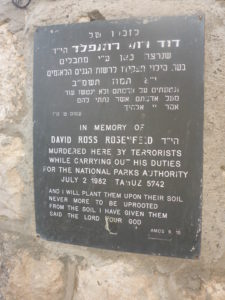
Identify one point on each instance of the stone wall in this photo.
(34, 269)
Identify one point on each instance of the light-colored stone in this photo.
(116, 280)
(12, 74)
(215, 290)
(83, 19)
(11, 184)
(35, 278)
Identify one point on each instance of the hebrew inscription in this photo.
(118, 121)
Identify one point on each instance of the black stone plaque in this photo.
(118, 125)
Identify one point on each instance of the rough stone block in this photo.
(11, 184)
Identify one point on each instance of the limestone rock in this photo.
(12, 74)
(215, 290)
(35, 279)
(11, 184)
(112, 281)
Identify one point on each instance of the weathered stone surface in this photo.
(215, 290)
(11, 184)
(29, 274)
(114, 280)
(36, 279)
(12, 74)
(135, 280)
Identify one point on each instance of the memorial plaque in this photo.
(118, 125)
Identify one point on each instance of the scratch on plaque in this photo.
(197, 232)
(159, 239)
(150, 20)
(107, 226)
(54, 31)
(192, 249)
